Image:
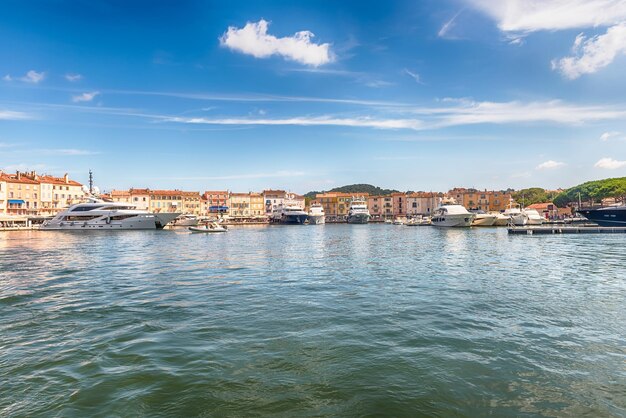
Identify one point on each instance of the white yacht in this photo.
(289, 213)
(515, 215)
(186, 220)
(532, 217)
(358, 212)
(316, 214)
(101, 215)
(450, 215)
(501, 219)
(483, 219)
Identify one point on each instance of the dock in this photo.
(549, 230)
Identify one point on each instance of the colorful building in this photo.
(485, 200)
(166, 201)
(22, 194)
(421, 203)
(3, 194)
(216, 201)
(273, 199)
(336, 204)
(257, 205)
(191, 202)
(140, 198)
(239, 205)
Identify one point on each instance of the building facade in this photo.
(239, 205)
(421, 203)
(273, 199)
(3, 194)
(493, 200)
(166, 201)
(140, 198)
(216, 201)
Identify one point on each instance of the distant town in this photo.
(33, 194)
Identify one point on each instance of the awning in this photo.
(16, 201)
(218, 207)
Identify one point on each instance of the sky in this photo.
(244, 96)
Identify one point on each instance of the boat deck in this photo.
(547, 230)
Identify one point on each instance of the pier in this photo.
(550, 230)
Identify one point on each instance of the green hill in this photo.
(593, 191)
(356, 189)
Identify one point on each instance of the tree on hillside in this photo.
(531, 196)
(593, 192)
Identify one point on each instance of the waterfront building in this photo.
(22, 194)
(387, 209)
(421, 203)
(485, 200)
(64, 192)
(140, 198)
(191, 202)
(166, 201)
(375, 206)
(257, 205)
(3, 194)
(398, 203)
(273, 199)
(216, 201)
(120, 196)
(239, 205)
(336, 204)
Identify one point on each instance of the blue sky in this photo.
(419, 95)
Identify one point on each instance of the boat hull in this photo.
(294, 219)
(207, 230)
(139, 222)
(606, 216)
(317, 219)
(453, 221)
(484, 220)
(358, 218)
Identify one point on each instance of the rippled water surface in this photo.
(335, 320)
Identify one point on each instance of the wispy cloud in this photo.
(610, 164)
(66, 151)
(276, 174)
(590, 55)
(550, 15)
(550, 165)
(467, 112)
(73, 77)
(447, 27)
(364, 122)
(85, 97)
(608, 135)
(413, 75)
(25, 167)
(254, 40)
(32, 76)
(13, 115)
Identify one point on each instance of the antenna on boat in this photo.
(90, 181)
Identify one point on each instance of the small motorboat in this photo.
(211, 227)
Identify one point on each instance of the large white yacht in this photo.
(452, 215)
(515, 214)
(358, 212)
(483, 219)
(101, 215)
(532, 217)
(289, 213)
(316, 214)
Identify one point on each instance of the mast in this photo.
(90, 182)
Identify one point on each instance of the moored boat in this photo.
(289, 214)
(100, 215)
(483, 219)
(452, 215)
(532, 217)
(358, 212)
(606, 216)
(316, 214)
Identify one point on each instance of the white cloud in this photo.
(608, 135)
(66, 151)
(549, 165)
(468, 112)
(254, 40)
(7, 78)
(610, 164)
(286, 174)
(364, 122)
(446, 27)
(85, 97)
(413, 75)
(590, 55)
(13, 115)
(73, 77)
(536, 15)
(33, 77)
